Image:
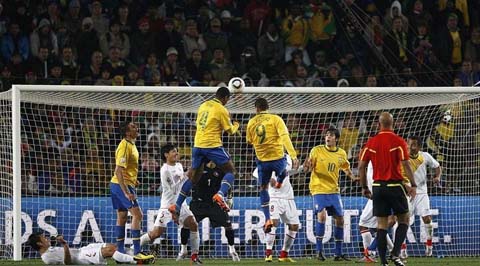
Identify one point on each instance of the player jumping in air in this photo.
(270, 138)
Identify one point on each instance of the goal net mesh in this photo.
(68, 142)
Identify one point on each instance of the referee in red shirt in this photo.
(388, 153)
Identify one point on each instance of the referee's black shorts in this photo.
(389, 197)
(211, 210)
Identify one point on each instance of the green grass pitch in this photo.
(474, 261)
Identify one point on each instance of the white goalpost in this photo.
(57, 147)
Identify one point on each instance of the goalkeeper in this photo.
(95, 254)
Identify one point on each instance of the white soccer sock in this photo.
(124, 258)
(270, 238)
(183, 249)
(145, 239)
(231, 249)
(429, 229)
(389, 242)
(288, 240)
(366, 238)
(194, 241)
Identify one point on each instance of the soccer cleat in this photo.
(341, 258)
(175, 212)
(367, 259)
(284, 257)
(181, 256)
(217, 198)
(397, 261)
(403, 254)
(235, 256)
(428, 251)
(142, 259)
(269, 258)
(196, 260)
(320, 256)
(267, 228)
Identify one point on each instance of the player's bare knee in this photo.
(293, 227)
(322, 217)
(427, 219)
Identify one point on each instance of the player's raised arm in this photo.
(227, 124)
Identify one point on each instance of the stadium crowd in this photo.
(205, 43)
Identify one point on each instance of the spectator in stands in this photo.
(43, 36)
(222, 69)
(150, 66)
(195, 66)
(133, 77)
(357, 78)
(258, 13)
(442, 16)
(116, 38)
(72, 176)
(73, 18)
(116, 62)
(170, 66)
(375, 32)
(192, 40)
(323, 29)
(55, 76)
(295, 31)
(157, 79)
(395, 11)
(167, 38)
(100, 22)
(15, 42)
(450, 41)
(332, 75)
(271, 51)
(215, 38)
(6, 79)
(241, 38)
(460, 5)
(87, 42)
(90, 134)
(396, 45)
(472, 47)
(69, 64)
(227, 22)
(467, 75)
(106, 76)
(41, 63)
(60, 140)
(143, 43)
(3, 21)
(93, 70)
(419, 16)
(371, 81)
(127, 26)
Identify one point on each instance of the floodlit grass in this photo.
(474, 261)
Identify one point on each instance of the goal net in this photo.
(68, 138)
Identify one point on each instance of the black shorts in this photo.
(217, 216)
(389, 198)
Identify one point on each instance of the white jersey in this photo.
(370, 176)
(91, 254)
(419, 169)
(286, 190)
(172, 177)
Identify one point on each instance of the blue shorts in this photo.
(331, 202)
(204, 155)
(119, 201)
(265, 169)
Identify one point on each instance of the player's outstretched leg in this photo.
(184, 235)
(270, 241)
(427, 220)
(226, 185)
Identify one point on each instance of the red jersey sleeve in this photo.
(365, 153)
(403, 150)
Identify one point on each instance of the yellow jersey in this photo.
(212, 119)
(126, 156)
(269, 136)
(325, 175)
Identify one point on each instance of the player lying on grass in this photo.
(95, 254)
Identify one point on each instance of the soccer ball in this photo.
(236, 85)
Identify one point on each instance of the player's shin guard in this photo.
(366, 238)
(319, 232)
(265, 203)
(400, 235)
(136, 240)
(122, 258)
(120, 232)
(338, 234)
(230, 234)
(227, 183)
(289, 239)
(270, 238)
(194, 241)
(382, 245)
(184, 192)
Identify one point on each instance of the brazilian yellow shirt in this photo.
(126, 156)
(212, 119)
(325, 175)
(269, 136)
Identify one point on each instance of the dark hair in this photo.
(123, 127)
(333, 130)
(166, 149)
(222, 92)
(33, 239)
(417, 139)
(261, 103)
